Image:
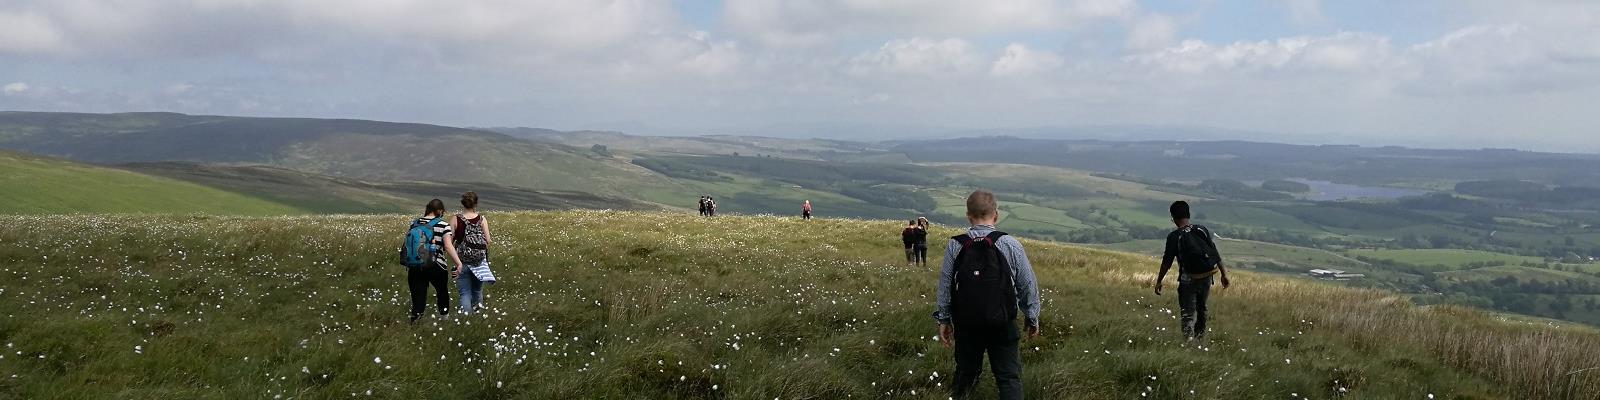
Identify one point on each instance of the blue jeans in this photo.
(471, 289)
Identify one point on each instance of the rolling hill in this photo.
(40, 185)
(372, 150)
(326, 194)
(590, 306)
(43, 185)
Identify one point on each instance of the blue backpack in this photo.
(417, 251)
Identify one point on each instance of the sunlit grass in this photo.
(652, 305)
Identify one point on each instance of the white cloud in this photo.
(1507, 59)
(1152, 32)
(28, 33)
(1018, 59)
(784, 23)
(468, 32)
(15, 88)
(920, 56)
(1344, 51)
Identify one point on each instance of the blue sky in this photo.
(1463, 73)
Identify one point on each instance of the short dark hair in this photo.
(469, 199)
(435, 207)
(1179, 210)
(981, 204)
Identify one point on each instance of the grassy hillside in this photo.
(638, 305)
(325, 194)
(37, 185)
(373, 150)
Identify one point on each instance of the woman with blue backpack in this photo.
(428, 242)
(472, 244)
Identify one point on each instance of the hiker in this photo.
(984, 282)
(919, 242)
(805, 210)
(907, 239)
(428, 245)
(1198, 260)
(703, 206)
(711, 206)
(472, 241)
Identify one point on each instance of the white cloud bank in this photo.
(1512, 69)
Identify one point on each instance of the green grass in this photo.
(666, 306)
(35, 185)
(1455, 258)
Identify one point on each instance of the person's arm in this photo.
(1024, 280)
(1167, 256)
(485, 222)
(947, 270)
(450, 249)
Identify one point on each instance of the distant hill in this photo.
(40, 185)
(374, 150)
(344, 195)
(43, 185)
(807, 149)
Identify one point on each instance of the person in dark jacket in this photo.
(1198, 262)
(919, 243)
(907, 239)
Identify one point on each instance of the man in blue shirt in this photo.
(969, 323)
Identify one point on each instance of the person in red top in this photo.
(805, 210)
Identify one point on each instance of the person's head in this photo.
(913, 222)
(922, 221)
(1180, 212)
(469, 200)
(981, 208)
(435, 208)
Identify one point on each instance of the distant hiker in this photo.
(805, 210)
(919, 242)
(711, 206)
(703, 208)
(983, 283)
(908, 239)
(472, 244)
(1198, 260)
(428, 242)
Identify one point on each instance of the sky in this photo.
(1432, 73)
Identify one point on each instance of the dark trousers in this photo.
(1192, 294)
(419, 279)
(1000, 343)
(911, 255)
(920, 254)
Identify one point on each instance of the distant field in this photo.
(1296, 260)
(35, 185)
(1446, 257)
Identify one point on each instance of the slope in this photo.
(39, 185)
(341, 147)
(325, 194)
(650, 305)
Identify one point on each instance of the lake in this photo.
(1329, 191)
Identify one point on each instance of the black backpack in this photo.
(473, 245)
(982, 292)
(1194, 253)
